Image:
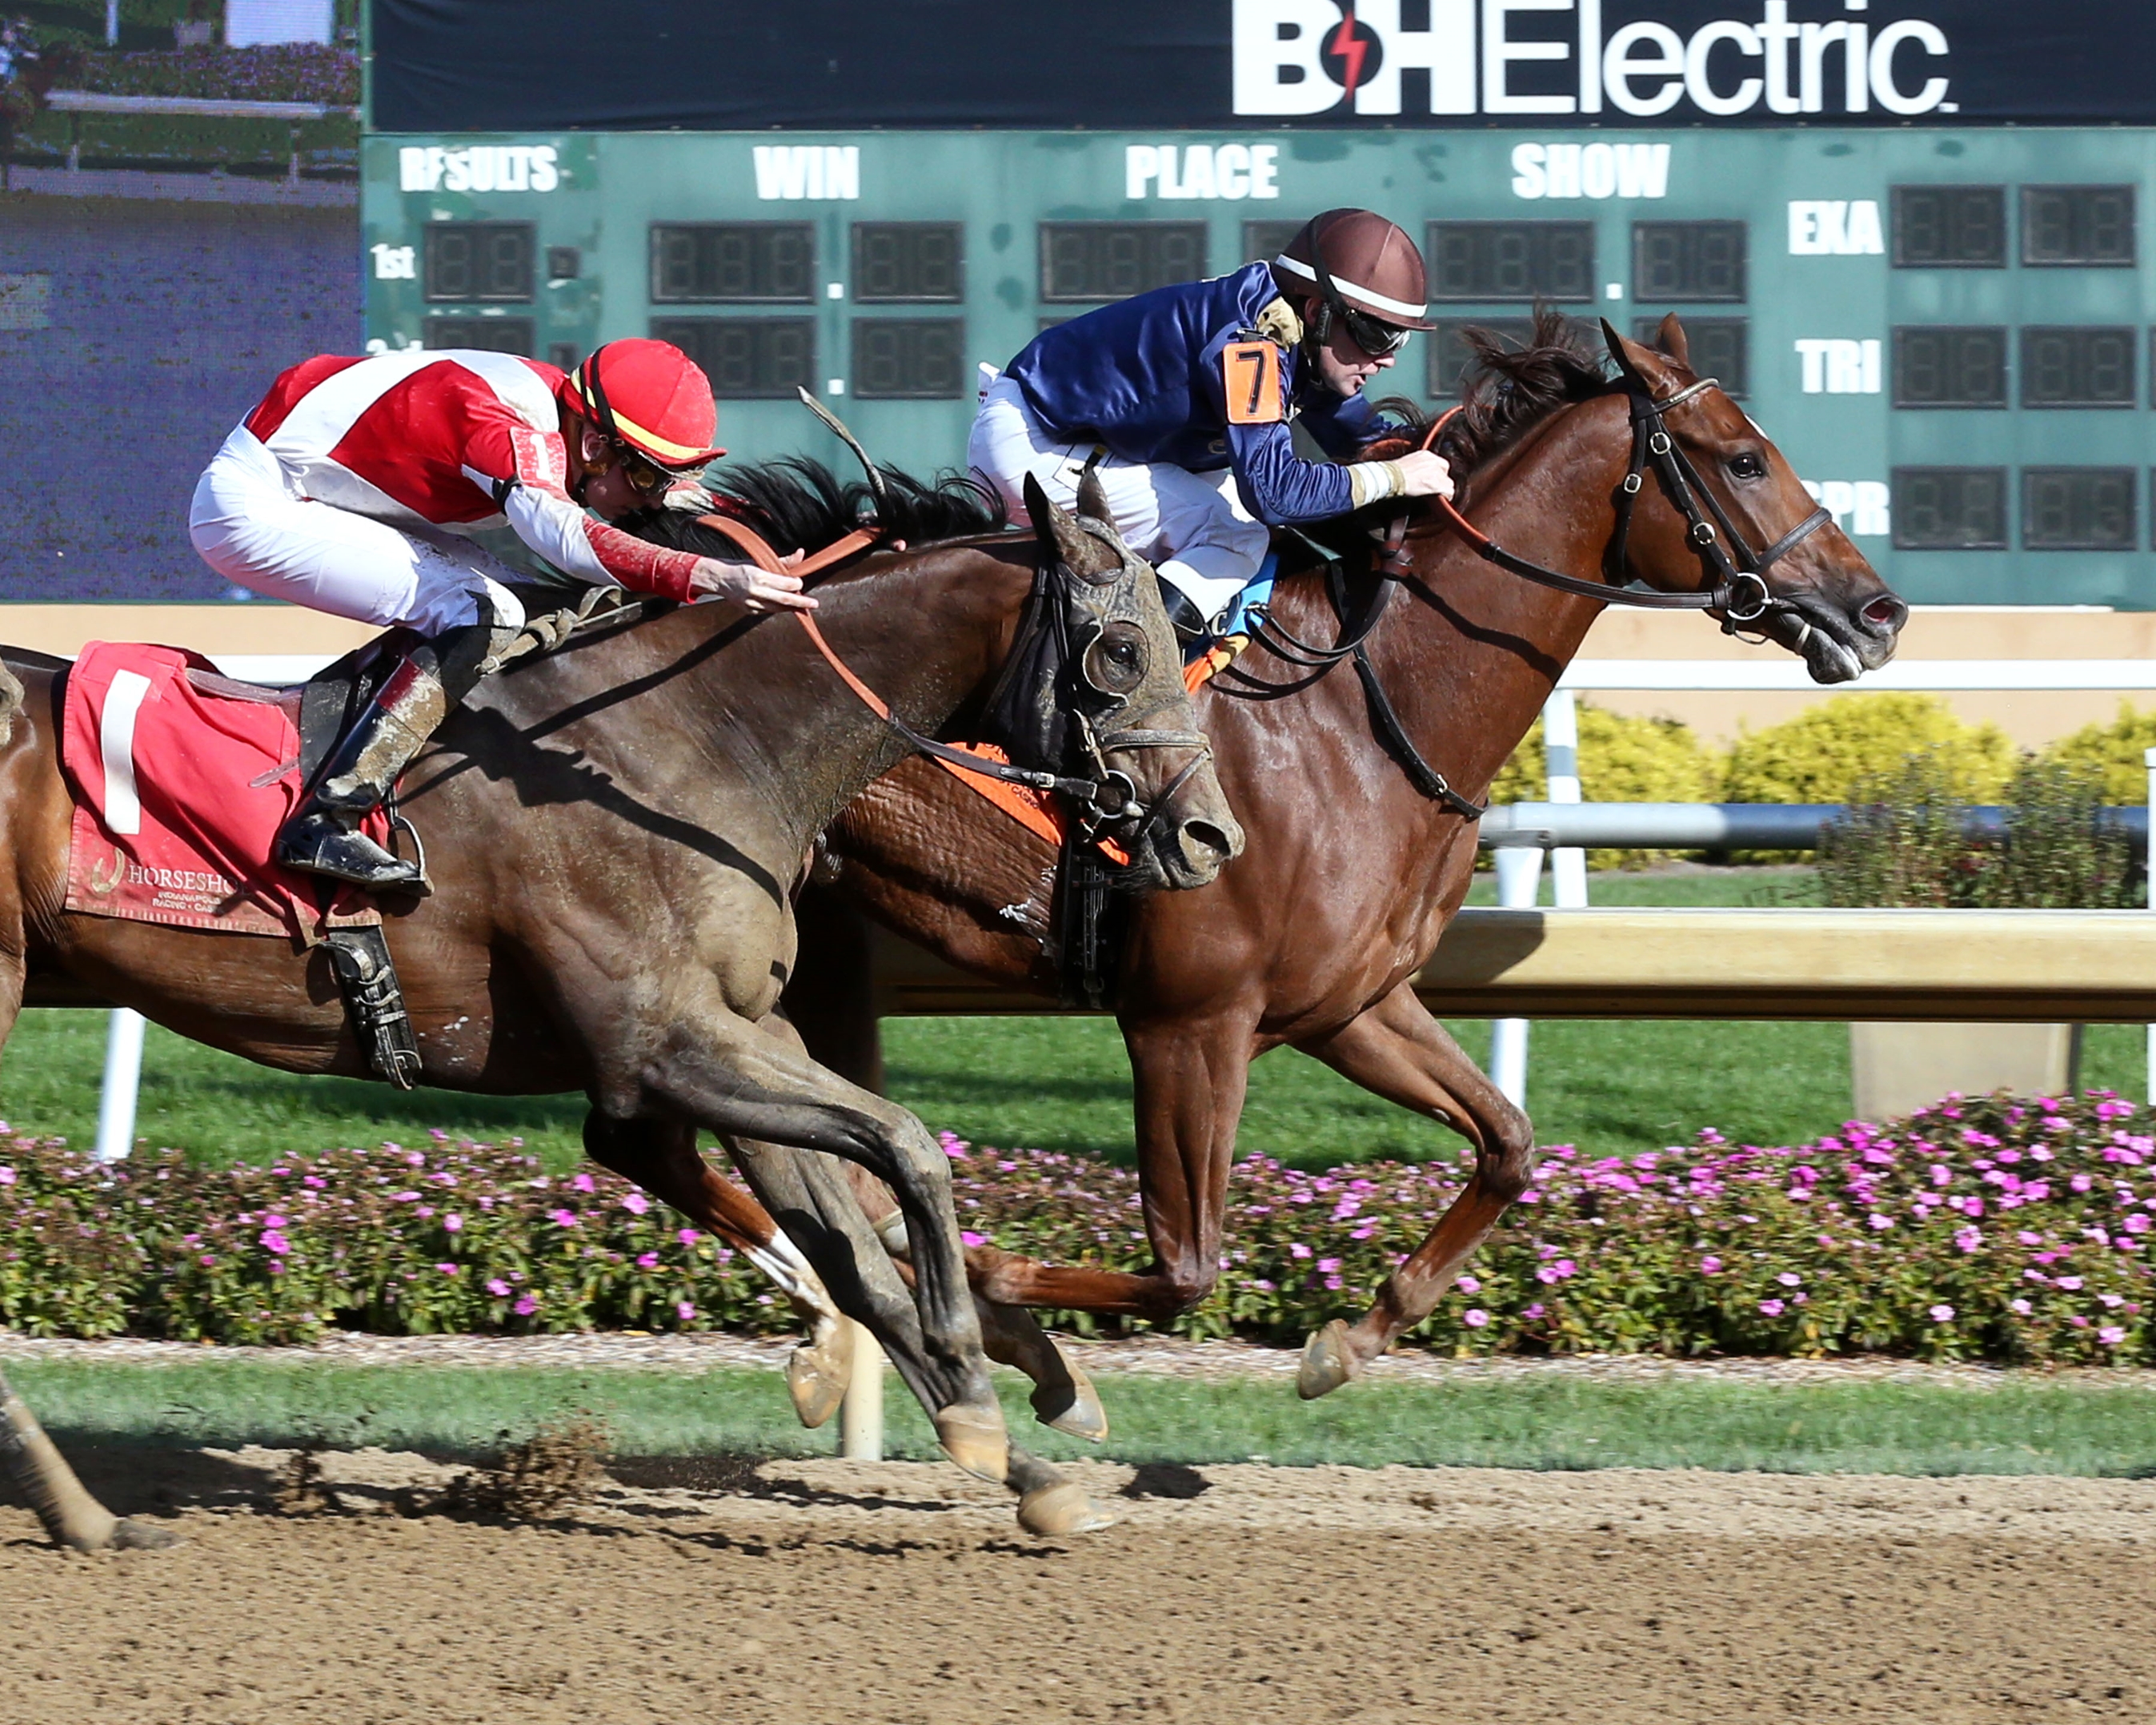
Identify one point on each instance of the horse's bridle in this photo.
(1739, 596)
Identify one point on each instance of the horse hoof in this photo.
(975, 1439)
(143, 1536)
(1074, 1407)
(1061, 1509)
(1327, 1362)
(818, 1372)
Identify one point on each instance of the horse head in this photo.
(1710, 500)
(1094, 686)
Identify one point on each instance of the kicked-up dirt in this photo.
(839, 1594)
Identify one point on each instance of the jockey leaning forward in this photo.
(1183, 399)
(350, 487)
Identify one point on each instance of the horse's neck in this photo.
(1471, 652)
(924, 633)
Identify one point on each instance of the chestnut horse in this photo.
(614, 831)
(1352, 872)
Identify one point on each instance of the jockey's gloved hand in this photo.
(688, 495)
(756, 589)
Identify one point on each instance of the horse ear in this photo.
(1620, 351)
(1670, 338)
(1641, 366)
(1093, 496)
(1062, 538)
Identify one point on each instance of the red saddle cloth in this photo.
(180, 779)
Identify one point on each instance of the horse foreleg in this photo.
(73, 1518)
(1397, 1050)
(661, 1156)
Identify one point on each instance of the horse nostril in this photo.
(1885, 612)
(1204, 841)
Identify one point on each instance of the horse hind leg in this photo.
(661, 1156)
(72, 1519)
(1397, 1050)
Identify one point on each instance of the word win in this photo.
(807, 170)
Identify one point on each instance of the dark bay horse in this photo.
(614, 832)
(1351, 873)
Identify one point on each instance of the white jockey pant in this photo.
(252, 528)
(1190, 526)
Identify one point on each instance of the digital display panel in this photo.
(1450, 362)
(1939, 366)
(1112, 260)
(1949, 508)
(2077, 509)
(496, 334)
(2090, 226)
(1688, 261)
(478, 263)
(720, 262)
(1949, 227)
(746, 358)
(1720, 348)
(920, 262)
(908, 358)
(1263, 241)
(2077, 366)
(1511, 260)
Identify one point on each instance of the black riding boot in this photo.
(323, 836)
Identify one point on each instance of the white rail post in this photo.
(1561, 753)
(1519, 872)
(860, 1416)
(2148, 760)
(123, 1083)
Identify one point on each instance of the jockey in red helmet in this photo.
(1181, 399)
(352, 486)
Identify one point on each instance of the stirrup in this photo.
(316, 843)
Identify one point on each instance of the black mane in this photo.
(800, 504)
(1513, 388)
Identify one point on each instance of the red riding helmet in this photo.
(650, 396)
(1355, 261)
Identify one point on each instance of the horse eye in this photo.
(1747, 465)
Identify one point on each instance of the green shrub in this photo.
(1827, 751)
(2114, 751)
(1622, 759)
(1905, 843)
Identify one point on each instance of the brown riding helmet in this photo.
(1354, 259)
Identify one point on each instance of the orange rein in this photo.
(1030, 809)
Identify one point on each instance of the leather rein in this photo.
(1740, 595)
(1112, 797)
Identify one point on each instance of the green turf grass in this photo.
(1064, 1084)
(2021, 1424)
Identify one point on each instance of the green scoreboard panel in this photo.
(1948, 331)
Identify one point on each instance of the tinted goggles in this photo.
(1375, 338)
(645, 474)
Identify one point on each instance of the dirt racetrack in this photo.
(828, 1592)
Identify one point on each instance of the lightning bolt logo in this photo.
(1350, 47)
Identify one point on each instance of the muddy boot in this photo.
(323, 836)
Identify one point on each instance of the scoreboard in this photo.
(1948, 331)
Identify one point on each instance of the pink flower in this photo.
(1535, 1310)
(687, 1236)
(969, 1240)
(1475, 1317)
(2111, 1335)
(448, 1269)
(683, 1311)
(1710, 1265)
(274, 1242)
(562, 1219)
(2028, 1239)
(1331, 1267)
(1790, 1278)
(1875, 1219)
(1968, 1239)
(585, 1183)
(2019, 1305)
(7, 1176)
(276, 1221)
(1465, 1284)
(1296, 1248)
(647, 1260)
(635, 1203)
(1942, 1314)
(527, 1305)
(452, 1222)
(2071, 1283)
(497, 1287)
(1772, 1308)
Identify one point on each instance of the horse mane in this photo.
(1513, 390)
(799, 503)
